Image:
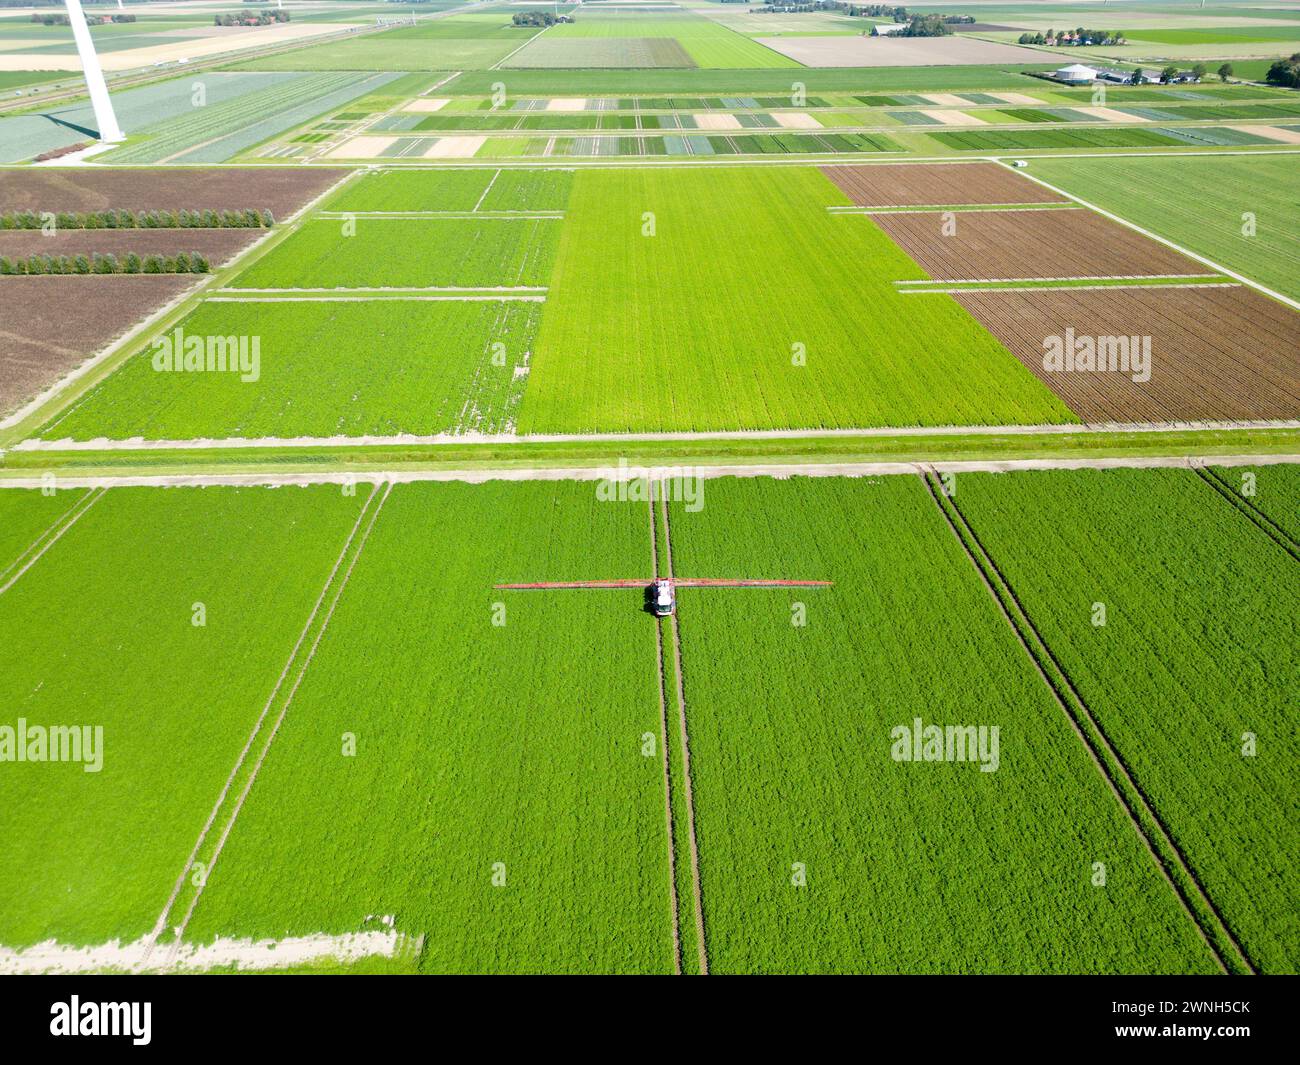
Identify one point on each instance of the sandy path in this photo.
(259, 954)
(663, 737)
(686, 751)
(597, 473)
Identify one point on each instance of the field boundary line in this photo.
(1293, 304)
(63, 523)
(686, 749)
(479, 202)
(511, 55)
(1178, 858)
(956, 208)
(161, 923)
(459, 216)
(663, 731)
(40, 536)
(1065, 288)
(1049, 280)
(494, 297)
(266, 747)
(320, 633)
(1252, 513)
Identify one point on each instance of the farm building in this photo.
(1075, 74)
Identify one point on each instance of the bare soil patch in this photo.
(219, 245)
(990, 245)
(899, 51)
(281, 190)
(51, 324)
(936, 184)
(1221, 354)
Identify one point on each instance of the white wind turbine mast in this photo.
(105, 119)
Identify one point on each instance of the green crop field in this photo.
(448, 367)
(1198, 651)
(911, 865)
(1239, 211)
(456, 190)
(453, 772)
(106, 623)
(763, 312)
(1012, 140)
(344, 634)
(25, 520)
(410, 253)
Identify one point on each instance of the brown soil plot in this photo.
(219, 245)
(50, 325)
(1216, 354)
(936, 184)
(280, 190)
(988, 245)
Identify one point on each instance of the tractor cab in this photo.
(662, 599)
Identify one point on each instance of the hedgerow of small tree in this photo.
(105, 263)
(246, 218)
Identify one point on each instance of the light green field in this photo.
(1202, 204)
(327, 369)
(456, 190)
(104, 621)
(601, 52)
(708, 43)
(699, 326)
(476, 745)
(25, 518)
(910, 866)
(409, 252)
(1200, 647)
(379, 53)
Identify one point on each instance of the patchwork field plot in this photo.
(1238, 210)
(756, 314)
(1198, 649)
(913, 185)
(409, 252)
(1033, 243)
(84, 313)
(106, 619)
(555, 788)
(1215, 353)
(219, 132)
(446, 367)
(924, 880)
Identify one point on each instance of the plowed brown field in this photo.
(219, 245)
(50, 325)
(280, 190)
(1217, 354)
(936, 184)
(987, 245)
